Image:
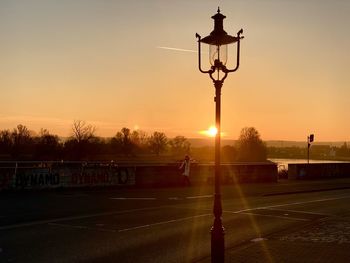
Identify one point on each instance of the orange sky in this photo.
(100, 61)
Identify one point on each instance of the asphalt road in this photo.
(150, 225)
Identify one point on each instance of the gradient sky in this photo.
(101, 61)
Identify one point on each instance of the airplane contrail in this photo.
(178, 49)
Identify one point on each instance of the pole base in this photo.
(217, 244)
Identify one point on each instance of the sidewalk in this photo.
(276, 250)
(325, 240)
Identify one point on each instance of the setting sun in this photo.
(211, 132)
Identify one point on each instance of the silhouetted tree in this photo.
(94, 147)
(48, 146)
(139, 140)
(124, 142)
(5, 142)
(158, 142)
(114, 145)
(79, 145)
(229, 153)
(180, 145)
(250, 146)
(22, 142)
(82, 131)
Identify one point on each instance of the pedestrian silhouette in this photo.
(186, 167)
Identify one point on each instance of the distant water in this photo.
(283, 163)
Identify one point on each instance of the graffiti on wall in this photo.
(36, 177)
(107, 176)
(6, 178)
(77, 175)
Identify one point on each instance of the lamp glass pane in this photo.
(218, 52)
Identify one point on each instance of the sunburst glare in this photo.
(210, 132)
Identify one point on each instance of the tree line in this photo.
(83, 144)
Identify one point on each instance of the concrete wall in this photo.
(170, 175)
(38, 175)
(53, 175)
(318, 170)
(236, 173)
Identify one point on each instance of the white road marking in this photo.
(199, 196)
(133, 198)
(72, 195)
(258, 239)
(163, 222)
(281, 217)
(305, 202)
(174, 198)
(154, 198)
(298, 211)
(82, 227)
(42, 222)
(289, 204)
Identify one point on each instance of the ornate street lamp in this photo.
(218, 41)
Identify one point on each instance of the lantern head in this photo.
(218, 40)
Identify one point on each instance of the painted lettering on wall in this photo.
(40, 177)
(98, 176)
(6, 177)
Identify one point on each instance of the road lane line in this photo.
(304, 202)
(281, 217)
(286, 204)
(68, 226)
(61, 219)
(199, 196)
(72, 195)
(289, 204)
(174, 198)
(163, 222)
(298, 211)
(41, 222)
(133, 198)
(82, 227)
(154, 198)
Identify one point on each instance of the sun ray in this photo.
(251, 217)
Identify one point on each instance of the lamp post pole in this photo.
(218, 41)
(217, 230)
